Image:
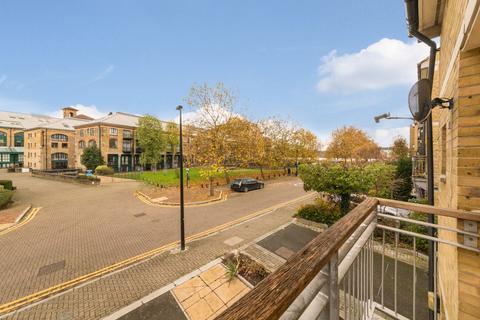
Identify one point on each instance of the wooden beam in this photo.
(453, 213)
(271, 298)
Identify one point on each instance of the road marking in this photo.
(144, 198)
(33, 212)
(35, 297)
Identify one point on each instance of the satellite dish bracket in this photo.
(442, 102)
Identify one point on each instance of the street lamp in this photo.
(389, 117)
(182, 205)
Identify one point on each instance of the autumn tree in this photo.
(350, 143)
(400, 148)
(172, 136)
(214, 107)
(151, 139)
(305, 145)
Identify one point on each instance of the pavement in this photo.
(82, 229)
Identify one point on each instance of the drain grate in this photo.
(51, 268)
(139, 214)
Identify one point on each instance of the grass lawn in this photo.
(169, 177)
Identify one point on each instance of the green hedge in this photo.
(321, 211)
(7, 184)
(5, 197)
(104, 171)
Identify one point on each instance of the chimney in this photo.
(69, 112)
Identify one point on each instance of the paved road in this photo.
(82, 228)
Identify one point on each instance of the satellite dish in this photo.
(419, 99)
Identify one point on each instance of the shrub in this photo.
(5, 197)
(104, 171)
(321, 211)
(91, 157)
(7, 184)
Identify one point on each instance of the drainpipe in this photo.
(411, 7)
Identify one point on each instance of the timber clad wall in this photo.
(457, 163)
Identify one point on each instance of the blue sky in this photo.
(323, 63)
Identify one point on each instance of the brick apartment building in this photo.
(456, 143)
(44, 143)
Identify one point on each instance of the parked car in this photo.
(246, 184)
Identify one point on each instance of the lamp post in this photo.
(387, 116)
(182, 205)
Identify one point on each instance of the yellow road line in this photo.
(142, 197)
(19, 303)
(33, 212)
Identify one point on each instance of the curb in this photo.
(20, 217)
(148, 200)
(30, 214)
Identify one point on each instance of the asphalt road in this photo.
(81, 229)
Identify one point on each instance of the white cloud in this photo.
(3, 78)
(103, 74)
(386, 63)
(91, 111)
(385, 136)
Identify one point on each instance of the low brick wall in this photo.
(65, 177)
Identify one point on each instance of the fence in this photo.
(337, 274)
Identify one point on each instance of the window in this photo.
(81, 133)
(20, 157)
(54, 144)
(91, 131)
(5, 157)
(59, 156)
(18, 139)
(92, 143)
(127, 134)
(127, 146)
(112, 143)
(64, 145)
(113, 131)
(3, 138)
(59, 137)
(81, 144)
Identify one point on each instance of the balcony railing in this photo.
(336, 275)
(419, 168)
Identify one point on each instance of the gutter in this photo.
(411, 7)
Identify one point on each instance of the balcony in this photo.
(342, 273)
(419, 168)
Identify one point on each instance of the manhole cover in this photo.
(51, 268)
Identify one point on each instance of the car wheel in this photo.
(245, 189)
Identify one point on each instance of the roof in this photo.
(83, 116)
(69, 108)
(23, 120)
(116, 118)
(27, 121)
(64, 124)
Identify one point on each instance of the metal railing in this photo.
(419, 166)
(355, 272)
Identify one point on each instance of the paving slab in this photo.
(161, 308)
(290, 239)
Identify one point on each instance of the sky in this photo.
(323, 64)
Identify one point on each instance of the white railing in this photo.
(351, 279)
